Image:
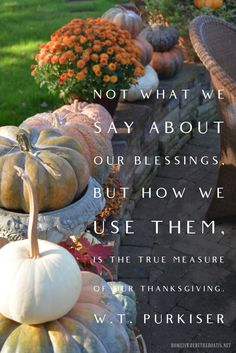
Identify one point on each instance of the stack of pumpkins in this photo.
(57, 150)
(167, 58)
(48, 305)
(131, 21)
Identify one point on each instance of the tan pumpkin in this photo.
(54, 163)
(146, 50)
(40, 285)
(70, 123)
(42, 281)
(125, 19)
(167, 63)
(88, 114)
(213, 4)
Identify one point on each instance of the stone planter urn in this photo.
(58, 225)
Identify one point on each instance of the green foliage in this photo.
(180, 13)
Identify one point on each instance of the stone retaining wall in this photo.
(140, 142)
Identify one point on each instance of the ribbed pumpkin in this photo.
(70, 123)
(40, 281)
(146, 50)
(125, 19)
(77, 331)
(168, 63)
(213, 4)
(87, 114)
(162, 38)
(54, 164)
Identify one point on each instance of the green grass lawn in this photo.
(24, 24)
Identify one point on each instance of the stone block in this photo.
(173, 116)
(134, 269)
(166, 334)
(195, 247)
(211, 303)
(191, 95)
(188, 109)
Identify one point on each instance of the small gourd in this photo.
(40, 281)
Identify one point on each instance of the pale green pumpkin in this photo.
(126, 296)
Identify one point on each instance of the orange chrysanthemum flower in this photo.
(62, 78)
(80, 64)
(110, 51)
(78, 49)
(112, 67)
(106, 78)
(114, 79)
(96, 68)
(70, 73)
(54, 59)
(80, 76)
(83, 39)
(94, 57)
(98, 73)
(103, 61)
(63, 59)
(97, 48)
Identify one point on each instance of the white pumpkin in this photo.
(145, 84)
(40, 281)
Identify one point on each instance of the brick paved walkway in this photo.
(146, 243)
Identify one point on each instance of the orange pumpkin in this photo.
(213, 4)
(146, 50)
(167, 63)
(125, 19)
(72, 124)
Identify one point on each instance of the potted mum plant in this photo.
(88, 55)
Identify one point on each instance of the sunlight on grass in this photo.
(21, 48)
(24, 24)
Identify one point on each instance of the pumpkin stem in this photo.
(55, 120)
(122, 8)
(23, 141)
(76, 105)
(33, 217)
